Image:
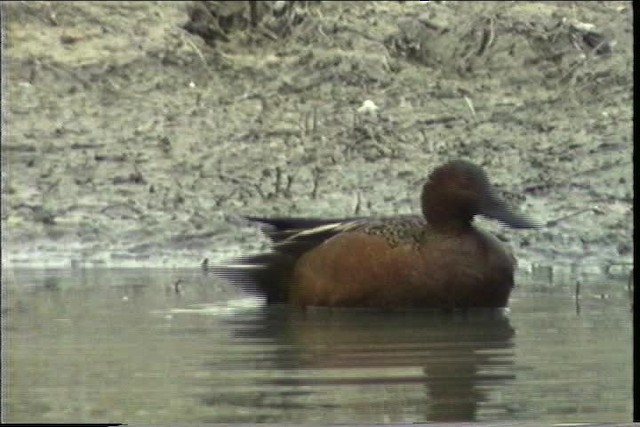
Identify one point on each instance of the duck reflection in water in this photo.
(408, 366)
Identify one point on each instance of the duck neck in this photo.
(443, 213)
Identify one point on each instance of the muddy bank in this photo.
(129, 140)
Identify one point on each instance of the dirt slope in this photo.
(127, 139)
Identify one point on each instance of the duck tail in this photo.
(268, 275)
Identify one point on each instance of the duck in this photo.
(440, 259)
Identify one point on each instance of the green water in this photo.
(131, 346)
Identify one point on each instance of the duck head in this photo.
(457, 191)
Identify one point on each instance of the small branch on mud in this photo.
(53, 19)
(267, 33)
(568, 79)
(118, 205)
(278, 182)
(87, 146)
(488, 36)
(49, 188)
(260, 192)
(440, 120)
(312, 116)
(178, 183)
(315, 120)
(358, 207)
(181, 238)
(226, 178)
(110, 158)
(133, 178)
(316, 182)
(278, 188)
(137, 175)
(554, 222)
(470, 105)
(304, 123)
(253, 13)
(218, 201)
(221, 199)
(85, 83)
(287, 190)
(195, 48)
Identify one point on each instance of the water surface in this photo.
(158, 346)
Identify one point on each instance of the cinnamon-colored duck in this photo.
(437, 260)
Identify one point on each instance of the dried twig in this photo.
(196, 49)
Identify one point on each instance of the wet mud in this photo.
(139, 132)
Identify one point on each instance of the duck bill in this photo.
(495, 207)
